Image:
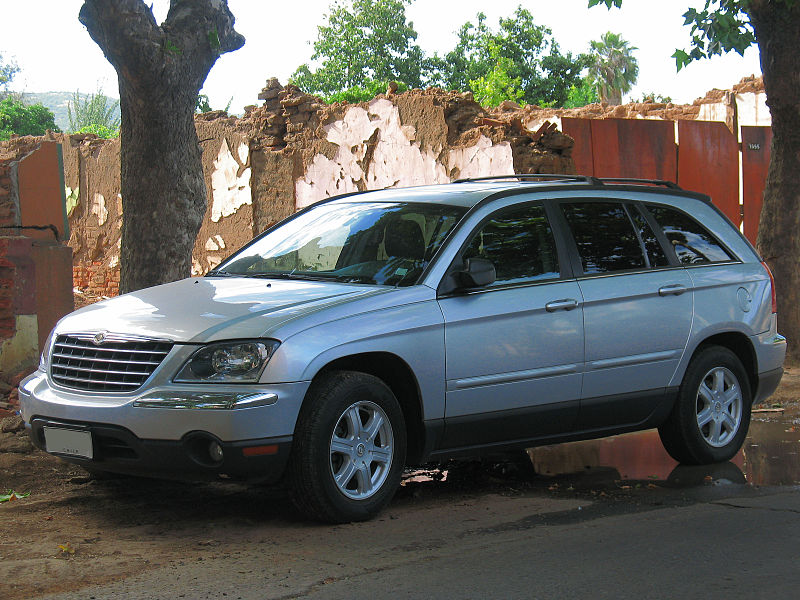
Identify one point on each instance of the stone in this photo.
(12, 424)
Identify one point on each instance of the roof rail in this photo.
(661, 182)
(536, 176)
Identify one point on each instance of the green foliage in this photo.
(721, 26)
(581, 95)
(363, 93)
(12, 495)
(203, 105)
(94, 109)
(7, 72)
(171, 48)
(497, 85)
(363, 41)
(16, 117)
(213, 40)
(532, 56)
(613, 67)
(653, 97)
(99, 130)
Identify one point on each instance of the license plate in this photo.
(68, 441)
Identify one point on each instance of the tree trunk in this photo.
(777, 29)
(161, 71)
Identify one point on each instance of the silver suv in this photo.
(388, 328)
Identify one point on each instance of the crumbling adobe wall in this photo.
(94, 210)
(744, 104)
(292, 151)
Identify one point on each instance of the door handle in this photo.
(565, 304)
(671, 290)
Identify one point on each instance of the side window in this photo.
(519, 243)
(692, 243)
(605, 236)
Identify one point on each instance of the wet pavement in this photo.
(770, 457)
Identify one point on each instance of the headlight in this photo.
(228, 362)
(44, 357)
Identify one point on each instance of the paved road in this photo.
(715, 540)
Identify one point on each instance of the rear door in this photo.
(514, 349)
(637, 310)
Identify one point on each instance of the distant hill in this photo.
(57, 102)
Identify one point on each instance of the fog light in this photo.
(215, 451)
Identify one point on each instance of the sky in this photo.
(55, 53)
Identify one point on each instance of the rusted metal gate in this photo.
(705, 158)
(624, 147)
(756, 144)
(708, 162)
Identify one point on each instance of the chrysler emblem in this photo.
(99, 338)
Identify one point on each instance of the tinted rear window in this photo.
(692, 243)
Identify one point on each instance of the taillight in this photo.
(772, 286)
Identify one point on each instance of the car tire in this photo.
(709, 421)
(349, 448)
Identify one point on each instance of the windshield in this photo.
(355, 242)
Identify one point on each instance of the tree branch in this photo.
(190, 40)
(125, 30)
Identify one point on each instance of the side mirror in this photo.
(478, 272)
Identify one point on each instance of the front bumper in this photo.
(117, 450)
(165, 430)
(138, 413)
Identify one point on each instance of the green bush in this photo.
(359, 93)
(99, 130)
(17, 118)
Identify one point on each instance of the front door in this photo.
(514, 349)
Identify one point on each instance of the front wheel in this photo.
(349, 448)
(711, 416)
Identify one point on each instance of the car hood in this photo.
(207, 308)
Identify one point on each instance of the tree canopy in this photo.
(363, 41)
(364, 44)
(7, 72)
(21, 119)
(613, 67)
(529, 53)
(721, 26)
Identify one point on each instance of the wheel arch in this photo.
(740, 345)
(400, 378)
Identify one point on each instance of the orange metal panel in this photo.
(41, 191)
(756, 147)
(634, 148)
(708, 162)
(580, 130)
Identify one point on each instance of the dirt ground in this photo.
(72, 530)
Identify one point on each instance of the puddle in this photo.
(770, 456)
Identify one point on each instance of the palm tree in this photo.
(614, 69)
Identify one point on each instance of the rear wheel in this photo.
(349, 448)
(711, 416)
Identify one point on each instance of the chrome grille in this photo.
(118, 364)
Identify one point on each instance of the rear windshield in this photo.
(355, 242)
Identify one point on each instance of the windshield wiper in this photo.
(297, 276)
(214, 273)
